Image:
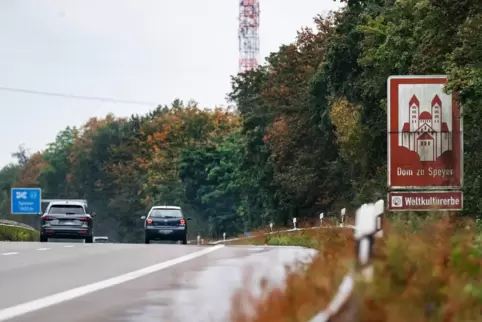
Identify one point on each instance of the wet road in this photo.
(57, 282)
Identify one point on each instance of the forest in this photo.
(307, 134)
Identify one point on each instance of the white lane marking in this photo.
(28, 307)
(68, 246)
(42, 248)
(11, 253)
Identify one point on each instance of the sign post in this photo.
(26, 201)
(425, 145)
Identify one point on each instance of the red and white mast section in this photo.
(248, 35)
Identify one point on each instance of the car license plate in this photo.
(162, 231)
(68, 222)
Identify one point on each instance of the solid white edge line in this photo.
(28, 307)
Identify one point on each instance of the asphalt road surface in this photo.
(59, 282)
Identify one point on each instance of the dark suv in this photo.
(66, 219)
(165, 223)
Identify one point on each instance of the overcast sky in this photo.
(142, 50)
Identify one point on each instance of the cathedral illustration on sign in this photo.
(426, 133)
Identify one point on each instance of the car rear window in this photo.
(67, 209)
(166, 213)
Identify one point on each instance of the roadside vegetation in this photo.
(10, 233)
(426, 269)
(307, 236)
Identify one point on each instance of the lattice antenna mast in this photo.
(248, 35)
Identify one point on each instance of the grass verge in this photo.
(426, 269)
(10, 233)
(281, 237)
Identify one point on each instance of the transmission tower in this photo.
(248, 35)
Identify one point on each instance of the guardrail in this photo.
(200, 241)
(368, 226)
(224, 240)
(11, 223)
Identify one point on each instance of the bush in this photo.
(425, 270)
(10, 233)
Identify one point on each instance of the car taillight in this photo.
(85, 219)
(47, 218)
(183, 222)
(149, 221)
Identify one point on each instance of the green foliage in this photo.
(293, 240)
(8, 233)
(209, 176)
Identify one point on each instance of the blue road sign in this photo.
(26, 201)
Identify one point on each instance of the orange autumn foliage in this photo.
(29, 176)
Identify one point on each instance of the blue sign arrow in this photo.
(26, 201)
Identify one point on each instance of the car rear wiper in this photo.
(70, 213)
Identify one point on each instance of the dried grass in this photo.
(426, 269)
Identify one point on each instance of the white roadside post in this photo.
(366, 228)
(198, 239)
(224, 236)
(343, 211)
(368, 225)
(270, 227)
(321, 219)
(294, 223)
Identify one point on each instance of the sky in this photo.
(130, 50)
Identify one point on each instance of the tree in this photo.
(21, 155)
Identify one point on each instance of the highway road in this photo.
(59, 282)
